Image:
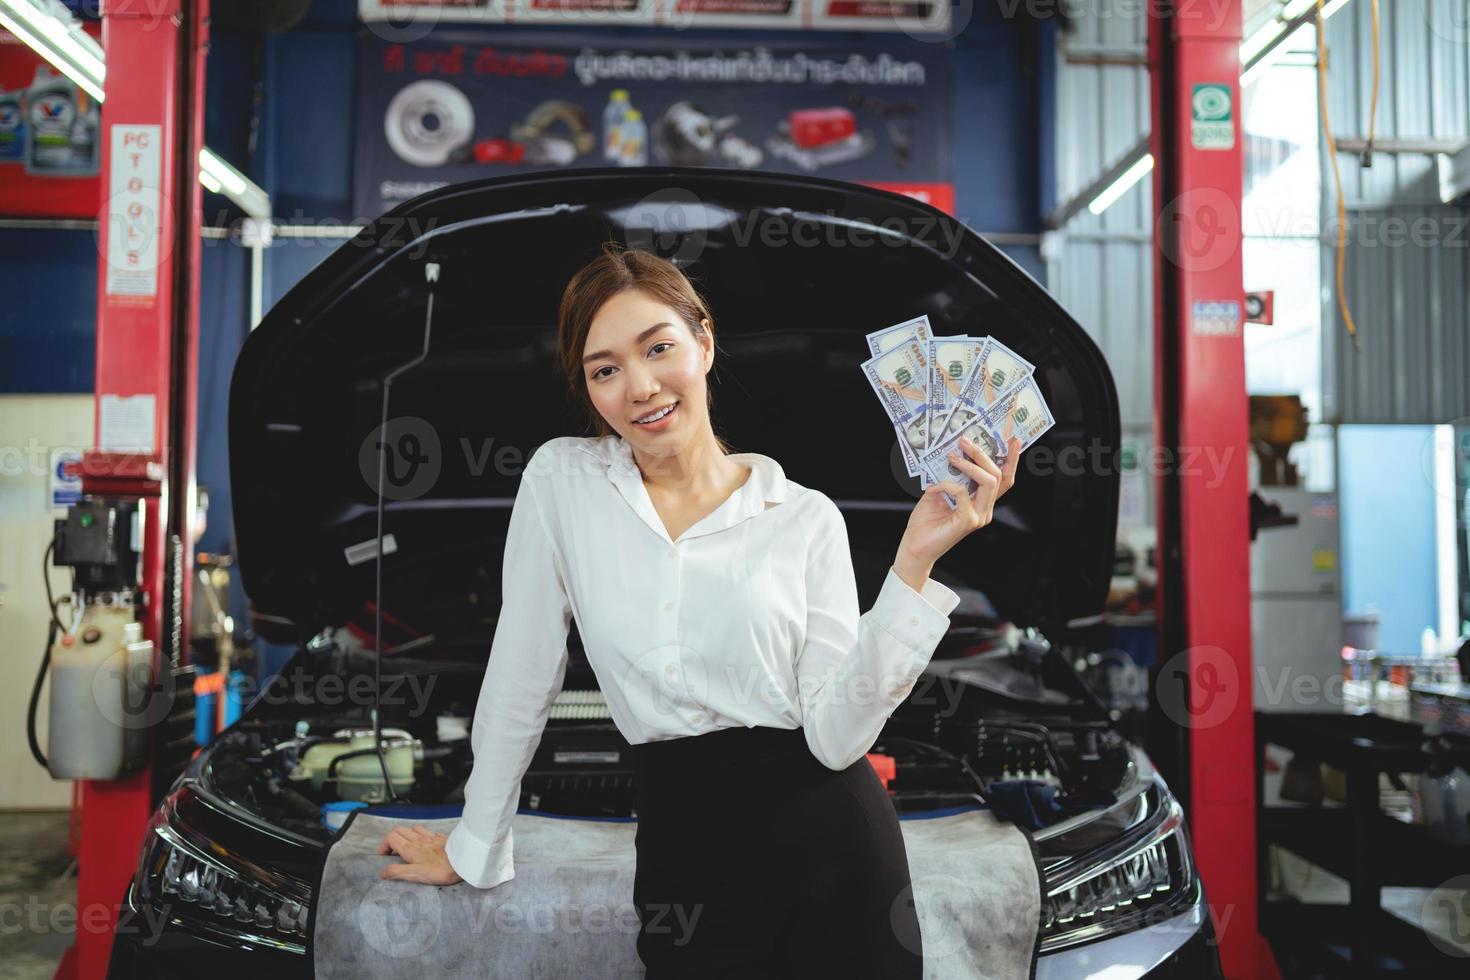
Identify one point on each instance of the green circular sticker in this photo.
(1211, 102)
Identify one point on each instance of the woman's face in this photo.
(641, 357)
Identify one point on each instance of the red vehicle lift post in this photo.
(147, 342)
(1202, 726)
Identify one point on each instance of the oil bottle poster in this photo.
(50, 138)
(464, 106)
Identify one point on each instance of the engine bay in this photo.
(969, 733)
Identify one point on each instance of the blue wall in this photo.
(1388, 546)
(48, 331)
(224, 284)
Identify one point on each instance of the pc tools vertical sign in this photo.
(134, 218)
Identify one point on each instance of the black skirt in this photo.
(757, 861)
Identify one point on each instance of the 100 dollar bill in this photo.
(888, 338)
(1021, 413)
(996, 372)
(950, 362)
(898, 379)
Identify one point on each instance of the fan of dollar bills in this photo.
(938, 389)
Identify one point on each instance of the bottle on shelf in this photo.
(613, 118)
(635, 140)
(1443, 801)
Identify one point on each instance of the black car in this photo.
(797, 270)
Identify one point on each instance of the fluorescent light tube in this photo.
(1109, 195)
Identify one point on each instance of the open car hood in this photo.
(796, 270)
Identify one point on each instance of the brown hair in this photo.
(617, 269)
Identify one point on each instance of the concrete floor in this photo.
(38, 894)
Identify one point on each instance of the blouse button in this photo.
(931, 634)
(914, 620)
(668, 606)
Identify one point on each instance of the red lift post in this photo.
(147, 341)
(1203, 727)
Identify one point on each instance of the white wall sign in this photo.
(125, 425)
(134, 212)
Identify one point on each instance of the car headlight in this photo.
(200, 885)
(1143, 877)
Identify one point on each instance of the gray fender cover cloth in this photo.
(568, 912)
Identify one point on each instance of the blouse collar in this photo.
(766, 484)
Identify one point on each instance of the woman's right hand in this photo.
(424, 859)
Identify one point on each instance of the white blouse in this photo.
(749, 618)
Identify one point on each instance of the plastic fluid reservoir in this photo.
(361, 777)
(62, 123)
(12, 127)
(89, 707)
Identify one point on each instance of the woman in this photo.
(718, 607)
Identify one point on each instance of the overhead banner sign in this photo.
(463, 107)
(916, 17)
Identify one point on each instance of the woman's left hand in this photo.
(934, 528)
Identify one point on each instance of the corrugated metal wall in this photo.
(1102, 272)
(1408, 259)
(1408, 269)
